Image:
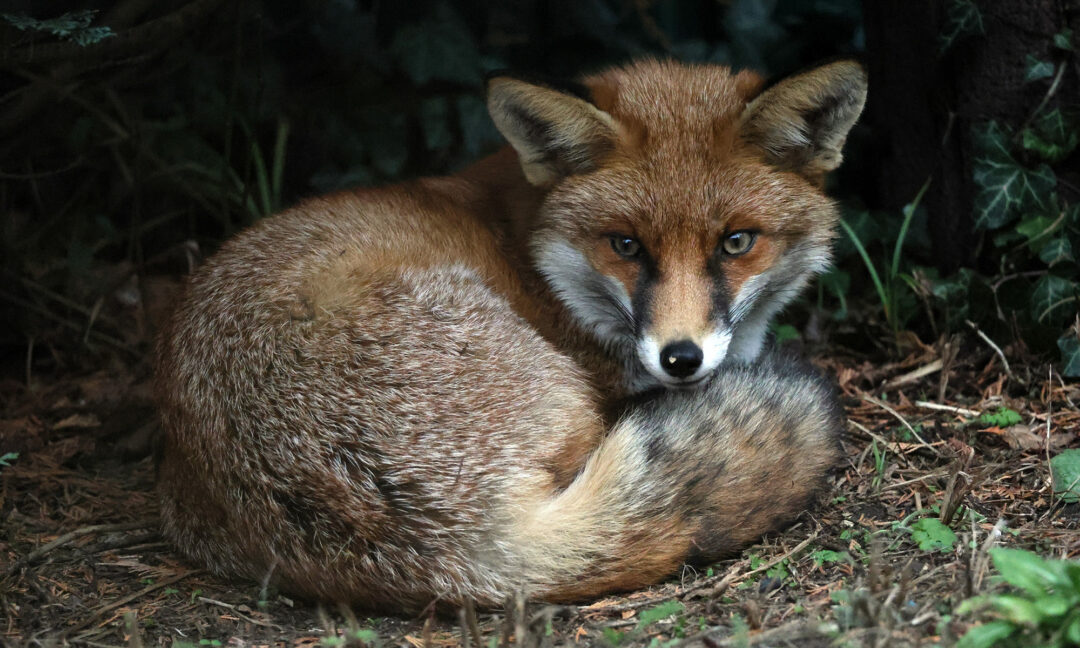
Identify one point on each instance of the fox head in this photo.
(684, 204)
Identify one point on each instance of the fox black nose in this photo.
(680, 359)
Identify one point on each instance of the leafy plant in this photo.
(1007, 190)
(646, 618)
(889, 282)
(823, 556)
(1065, 469)
(1045, 610)
(7, 458)
(1028, 229)
(1002, 418)
(962, 17)
(1069, 345)
(880, 455)
(658, 613)
(73, 26)
(1044, 231)
(932, 535)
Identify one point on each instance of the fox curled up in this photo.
(390, 396)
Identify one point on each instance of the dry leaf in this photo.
(78, 421)
(1021, 437)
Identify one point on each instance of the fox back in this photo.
(437, 390)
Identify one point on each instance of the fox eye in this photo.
(739, 243)
(625, 246)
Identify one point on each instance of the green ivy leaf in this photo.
(1035, 230)
(1007, 238)
(1065, 467)
(1072, 214)
(1064, 40)
(1037, 69)
(72, 26)
(962, 18)
(1052, 136)
(1069, 346)
(1057, 250)
(1006, 189)
(440, 48)
(1053, 297)
(931, 534)
(951, 288)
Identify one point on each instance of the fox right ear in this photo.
(554, 133)
(801, 122)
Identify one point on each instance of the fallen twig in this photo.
(890, 410)
(68, 537)
(947, 408)
(102, 611)
(996, 348)
(238, 613)
(716, 585)
(913, 376)
(792, 632)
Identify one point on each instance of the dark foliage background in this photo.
(136, 135)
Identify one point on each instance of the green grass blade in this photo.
(883, 295)
(261, 177)
(909, 213)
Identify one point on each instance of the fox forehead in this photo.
(662, 103)
(688, 203)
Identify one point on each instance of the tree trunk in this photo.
(924, 101)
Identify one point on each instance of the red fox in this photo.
(510, 379)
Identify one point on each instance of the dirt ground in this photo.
(82, 562)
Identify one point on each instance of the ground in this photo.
(929, 441)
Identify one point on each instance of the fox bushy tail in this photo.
(686, 476)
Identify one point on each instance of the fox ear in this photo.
(801, 122)
(554, 133)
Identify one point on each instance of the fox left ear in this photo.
(554, 133)
(801, 122)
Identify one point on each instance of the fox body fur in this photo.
(510, 379)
